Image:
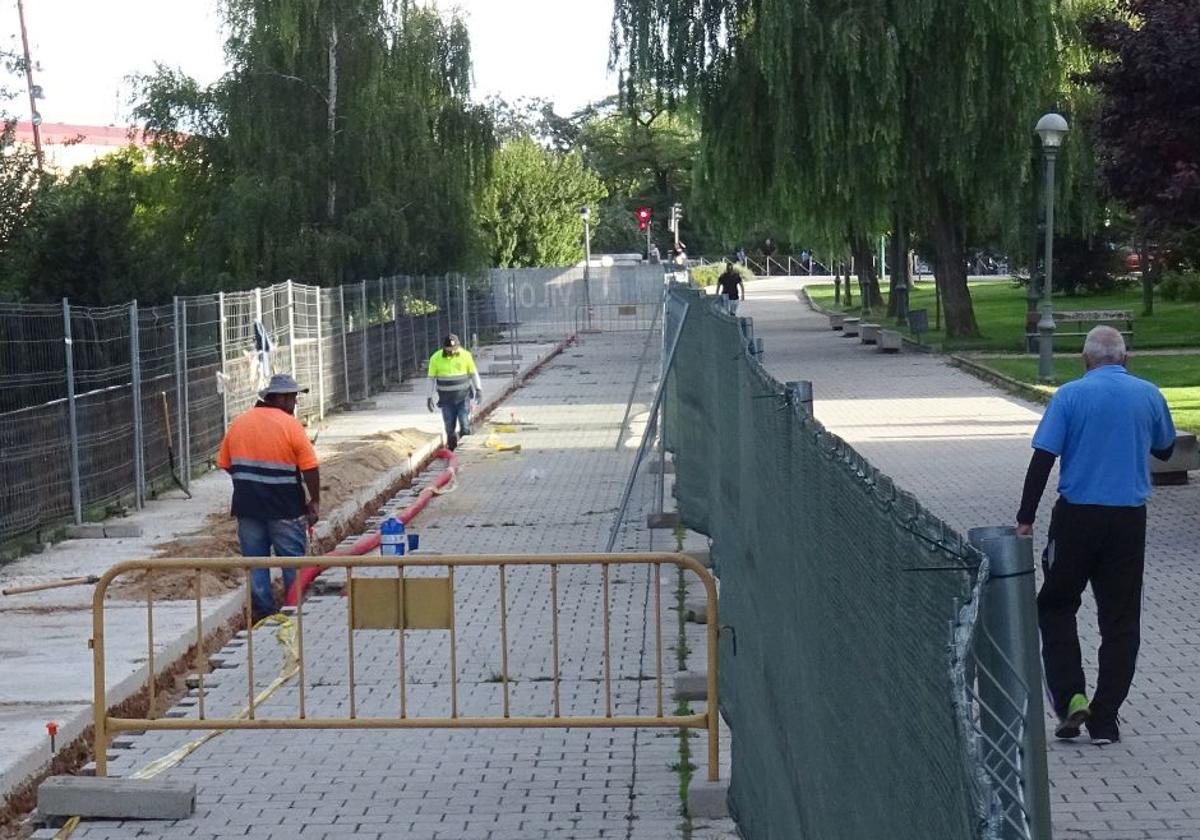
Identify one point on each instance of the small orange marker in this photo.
(52, 728)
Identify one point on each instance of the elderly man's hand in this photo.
(1024, 530)
(429, 403)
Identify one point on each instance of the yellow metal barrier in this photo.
(412, 603)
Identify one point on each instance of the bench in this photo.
(869, 333)
(1082, 323)
(850, 327)
(835, 320)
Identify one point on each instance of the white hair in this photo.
(1104, 346)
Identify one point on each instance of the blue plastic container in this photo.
(392, 541)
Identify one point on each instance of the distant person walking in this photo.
(730, 284)
(454, 380)
(272, 462)
(1104, 427)
(741, 256)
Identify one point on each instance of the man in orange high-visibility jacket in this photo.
(272, 463)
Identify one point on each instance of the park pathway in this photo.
(962, 446)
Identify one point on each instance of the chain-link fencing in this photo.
(865, 695)
(95, 401)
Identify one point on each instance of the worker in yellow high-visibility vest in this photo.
(454, 380)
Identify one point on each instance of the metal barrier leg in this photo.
(1009, 617)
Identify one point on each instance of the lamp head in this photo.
(585, 213)
(1052, 128)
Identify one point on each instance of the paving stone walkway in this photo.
(962, 447)
(558, 494)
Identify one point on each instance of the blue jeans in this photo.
(456, 415)
(289, 538)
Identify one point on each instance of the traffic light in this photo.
(643, 217)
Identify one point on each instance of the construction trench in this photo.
(542, 478)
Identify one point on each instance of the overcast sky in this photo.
(555, 49)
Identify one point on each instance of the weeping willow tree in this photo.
(842, 119)
(339, 144)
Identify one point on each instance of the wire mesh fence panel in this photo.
(156, 344)
(332, 347)
(204, 397)
(306, 330)
(101, 351)
(32, 361)
(243, 364)
(843, 596)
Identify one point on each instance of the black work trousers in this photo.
(1106, 547)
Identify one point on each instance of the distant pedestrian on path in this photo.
(1104, 427)
(454, 380)
(272, 462)
(730, 284)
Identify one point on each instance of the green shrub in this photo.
(1182, 288)
(707, 275)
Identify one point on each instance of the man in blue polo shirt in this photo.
(1104, 427)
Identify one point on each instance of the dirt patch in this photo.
(169, 687)
(345, 473)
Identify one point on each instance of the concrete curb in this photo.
(69, 729)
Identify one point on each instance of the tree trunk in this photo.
(951, 269)
(331, 125)
(1147, 280)
(860, 244)
(901, 285)
(848, 299)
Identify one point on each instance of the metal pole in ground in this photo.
(466, 332)
(425, 313)
(366, 344)
(801, 393)
(1011, 671)
(185, 419)
(291, 305)
(345, 341)
(72, 418)
(512, 333)
(412, 332)
(396, 330)
(320, 361)
(135, 394)
(223, 348)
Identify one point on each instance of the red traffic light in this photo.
(643, 217)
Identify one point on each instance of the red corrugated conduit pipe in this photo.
(370, 542)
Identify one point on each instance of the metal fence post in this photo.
(801, 393)
(185, 419)
(72, 419)
(180, 371)
(345, 342)
(291, 306)
(135, 393)
(466, 310)
(320, 362)
(1009, 618)
(382, 335)
(412, 332)
(512, 332)
(221, 319)
(366, 344)
(425, 317)
(396, 330)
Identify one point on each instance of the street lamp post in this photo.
(1052, 128)
(586, 214)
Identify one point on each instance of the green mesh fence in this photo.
(848, 611)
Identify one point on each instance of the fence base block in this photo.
(708, 800)
(116, 799)
(662, 521)
(665, 468)
(363, 405)
(696, 611)
(691, 685)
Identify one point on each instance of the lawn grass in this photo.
(1000, 311)
(1177, 376)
